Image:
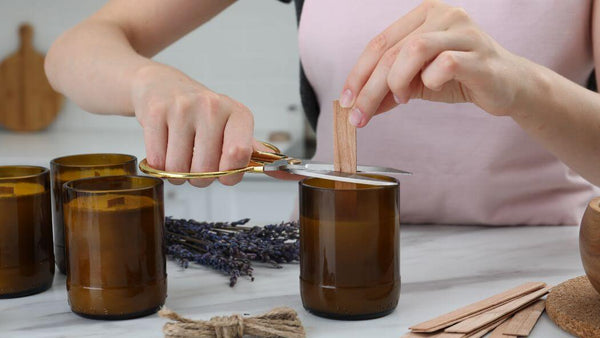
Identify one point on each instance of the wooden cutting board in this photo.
(27, 102)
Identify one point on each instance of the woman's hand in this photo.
(103, 64)
(188, 127)
(435, 53)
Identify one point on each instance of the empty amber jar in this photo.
(26, 258)
(68, 168)
(114, 245)
(349, 248)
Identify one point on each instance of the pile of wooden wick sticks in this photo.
(511, 313)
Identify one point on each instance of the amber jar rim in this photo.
(156, 182)
(42, 171)
(362, 187)
(59, 161)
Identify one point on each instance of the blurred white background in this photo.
(248, 52)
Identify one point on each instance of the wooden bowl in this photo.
(589, 242)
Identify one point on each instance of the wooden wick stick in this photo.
(344, 140)
(115, 201)
(498, 331)
(477, 308)
(7, 190)
(475, 334)
(523, 321)
(510, 308)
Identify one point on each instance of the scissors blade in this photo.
(360, 168)
(338, 176)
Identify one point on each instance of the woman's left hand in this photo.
(437, 53)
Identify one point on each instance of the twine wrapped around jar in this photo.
(279, 322)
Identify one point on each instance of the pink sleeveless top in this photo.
(469, 167)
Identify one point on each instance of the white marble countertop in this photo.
(443, 268)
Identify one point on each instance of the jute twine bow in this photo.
(279, 322)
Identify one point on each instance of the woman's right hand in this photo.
(188, 127)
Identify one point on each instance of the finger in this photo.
(376, 87)
(237, 144)
(261, 147)
(369, 58)
(373, 92)
(448, 66)
(387, 104)
(212, 116)
(155, 140)
(179, 147)
(417, 52)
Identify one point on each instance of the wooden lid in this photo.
(575, 307)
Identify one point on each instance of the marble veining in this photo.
(443, 267)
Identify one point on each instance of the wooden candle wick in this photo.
(477, 308)
(344, 140)
(115, 201)
(7, 190)
(524, 321)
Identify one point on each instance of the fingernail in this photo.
(401, 100)
(346, 99)
(355, 117)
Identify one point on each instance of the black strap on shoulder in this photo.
(591, 84)
(310, 104)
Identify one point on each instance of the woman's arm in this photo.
(437, 53)
(102, 64)
(95, 62)
(565, 118)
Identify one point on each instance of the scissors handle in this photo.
(257, 162)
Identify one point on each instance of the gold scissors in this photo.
(274, 160)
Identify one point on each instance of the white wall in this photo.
(249, 52)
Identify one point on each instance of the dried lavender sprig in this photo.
(234, 268)
(229, 247)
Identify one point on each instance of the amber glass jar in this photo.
(114, 245)
(26, 258)
(349, 248)
(68, 168)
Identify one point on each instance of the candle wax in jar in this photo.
(26, 259)
(349, 249)
(115, 254)
(63, 176)
(349, 267)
